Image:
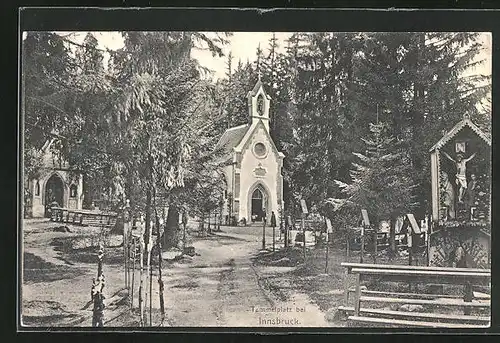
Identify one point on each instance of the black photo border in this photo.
(267, 20)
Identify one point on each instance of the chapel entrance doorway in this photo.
(258, 205)
(54, 193)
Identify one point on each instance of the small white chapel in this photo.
(253, 165)
(56, 183)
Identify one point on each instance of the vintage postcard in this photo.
(255, 179)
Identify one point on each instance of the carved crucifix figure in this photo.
(460, 179)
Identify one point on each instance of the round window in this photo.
(260, 149)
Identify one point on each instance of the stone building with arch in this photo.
(253, 164)
(55, 182)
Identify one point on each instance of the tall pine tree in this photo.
(380, 181)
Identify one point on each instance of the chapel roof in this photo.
(456, 129)
(230, 139)
(256, 88)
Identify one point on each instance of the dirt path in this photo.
(221, 287)
(226, 289)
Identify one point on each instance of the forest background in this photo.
(354, 113)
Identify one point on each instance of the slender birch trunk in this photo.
(148, 270)
(158, 246)
(133, 273)
(150, 291)
(150, 183)
(141, 275)
(160, 280)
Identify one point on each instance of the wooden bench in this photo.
(371, 306)
(84, 217)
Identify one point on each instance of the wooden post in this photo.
(125, 258)
(141, 276)
(209, 229)
(184, 224)
(264, 234)
(366, 224)
(133, 273)
(410, 252)
(346, 287)
(410, 248)
(328, 225)
(274, 238)
(160, 283)
(357, 295)
(347, 246)
(326, 257)
(361, 257)
(126, 251)
(375, 242)
(285, 234)
(489, 253)
(303, 223)
(281, 225)
(468, 296)
(303, 206)
(288, 224)
(220, 219)
(150, 292)
(428, 243)
(128, 267)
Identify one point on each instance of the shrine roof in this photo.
(230, 139)
(456, 129)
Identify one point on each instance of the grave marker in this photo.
(304, 206)
(304, 212)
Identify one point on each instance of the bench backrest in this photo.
(435, 277)
(350, 266)
(374, 314)
(84, 212)
(420, 274)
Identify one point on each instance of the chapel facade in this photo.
(253, 165)
(56, 183)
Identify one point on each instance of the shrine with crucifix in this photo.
(461, 198)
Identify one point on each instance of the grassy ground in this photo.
(59, 264)
(325, 284)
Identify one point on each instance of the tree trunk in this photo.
(171, 233)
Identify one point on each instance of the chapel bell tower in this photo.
(258, 104)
